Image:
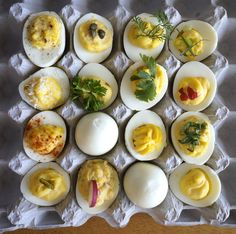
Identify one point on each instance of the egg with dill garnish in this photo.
(144, 84)
(44, 136)
(95, 87)
(193, 137)
(46, 184)
(146, 34)
(46, 89)
(195, 185)
(194, 86)
(93, 38)
(145, 135)
(44, 38)
(193, 40)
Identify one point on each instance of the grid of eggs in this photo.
(16, 211)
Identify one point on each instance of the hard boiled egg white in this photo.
(182, 170)
(139, 119)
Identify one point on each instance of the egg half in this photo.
(145, 135)
(44, 38)
(44, 136)
(46, 184)
(195, 185)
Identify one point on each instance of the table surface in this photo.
(139, 224)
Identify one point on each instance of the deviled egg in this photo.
(145, 185)
(95, 86)
(46, 89)
(44, 38)
(144, 84)
(145, 135)
(193, 137)
(96, 133)
(194, 185)
(194, 86)
(193, 40)
(44, 136)
(97, 186)
(93, 38)
(46, 184)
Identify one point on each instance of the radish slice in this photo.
(93, 193)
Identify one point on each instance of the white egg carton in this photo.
(15, 211)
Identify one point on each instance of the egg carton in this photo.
(15, 211)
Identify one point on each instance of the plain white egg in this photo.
(24, 187)
(45, 117)
(44, 57)
(128, 95)
(145, 185)
(133, 51)
(139, 119)
(82, 53)
(183, 169)
(53, 72)
(201, 159)
(96, 133)
(195, 69)
(208, 33)
(100, 71)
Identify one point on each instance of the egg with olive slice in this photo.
(144, 84)
(46, 184)
(193, 137)
(195, 185)
(93, 38)
(46, 89)
(44, 136)
(194, 86)
(135, 43)
(97, 186)
(145, 135)
(193, 40)
(44, 38)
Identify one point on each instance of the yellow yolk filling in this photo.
(144, 41)
(44, 93)
(94, 44)
(194, 40)
(44, 32)
(147, 138)
(47, 184)
(195, 184)
(105, 177)
(44, 138)
(203, 141)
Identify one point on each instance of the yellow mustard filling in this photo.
(105, 177)
(44, 32)
(189, 38)
(44, 139)
(44, 93)
(195, 184)
(92, 41)
(144, 41)
(47, 184)
(203, 140)
(147, 138)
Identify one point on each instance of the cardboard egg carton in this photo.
(15, 211)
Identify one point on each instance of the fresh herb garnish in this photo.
(89, 91)
(192, 132)
(46, 183)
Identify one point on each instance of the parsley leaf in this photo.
(146, 90)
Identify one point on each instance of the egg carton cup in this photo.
(17, 212)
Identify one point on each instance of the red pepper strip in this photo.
(191, 93)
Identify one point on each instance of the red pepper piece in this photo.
(191, 93)
(183, 95)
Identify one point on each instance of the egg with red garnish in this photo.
(194, 86)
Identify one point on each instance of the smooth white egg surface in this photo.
(145, 185)
(96, 133)
(202, 186)
(150, 141)
(43, 27)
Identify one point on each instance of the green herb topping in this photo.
(47, 183)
